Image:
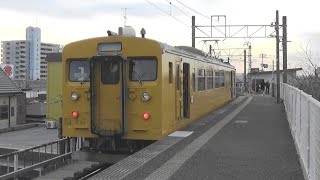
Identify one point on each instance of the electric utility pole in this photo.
(249, 77)
(284, 47)
(277, 56)
(245, 71)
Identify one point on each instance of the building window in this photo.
(4, 114)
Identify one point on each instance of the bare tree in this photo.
(309, 80)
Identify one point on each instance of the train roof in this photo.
(194, 53)
(186, 51)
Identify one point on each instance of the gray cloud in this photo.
(62, 10)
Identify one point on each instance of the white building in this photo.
(271, 77)
(12, 103)
(28, 56)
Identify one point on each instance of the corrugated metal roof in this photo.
(7, 86)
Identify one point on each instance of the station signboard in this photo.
(8, 69)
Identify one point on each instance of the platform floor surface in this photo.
(256, 144)
(27, 138)
(246, 140)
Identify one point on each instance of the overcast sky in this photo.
(168, 21)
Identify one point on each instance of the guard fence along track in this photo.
(303, 114)
(17, 164)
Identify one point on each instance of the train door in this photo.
(232, 83)
(186, 90)
(107, 95)
(179, 97)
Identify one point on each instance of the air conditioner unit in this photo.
(51, 124)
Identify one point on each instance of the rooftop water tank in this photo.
(128, 31)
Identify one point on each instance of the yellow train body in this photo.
(181, 87)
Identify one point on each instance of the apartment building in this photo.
(28, 56)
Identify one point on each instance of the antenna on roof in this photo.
(125, 17)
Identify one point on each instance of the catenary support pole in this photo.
(284, 48)
(277, 56)
(245, 71)
(193, 31)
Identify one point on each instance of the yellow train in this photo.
(121, 91)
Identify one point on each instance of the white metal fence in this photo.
(303, 113)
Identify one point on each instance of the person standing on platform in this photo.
(267, 87)
(262, 87)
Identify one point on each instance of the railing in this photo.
(14, 164)
(303, 113)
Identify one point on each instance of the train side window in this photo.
(110, 72)
(217, 79)
(201, 80)
(193, 79)
(222, 78)
(210, 79)
(170, 73)
(178, 76)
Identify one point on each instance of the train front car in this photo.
(111, 91)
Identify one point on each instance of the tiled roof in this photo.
(7, 86)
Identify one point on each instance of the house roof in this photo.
(267, 72)
(7, 86)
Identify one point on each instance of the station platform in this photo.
(248, 138)
(26, 138)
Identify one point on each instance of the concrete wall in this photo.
(54, 90)
(21, 104)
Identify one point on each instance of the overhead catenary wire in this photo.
(193, 10)
(179, 9)
(167, 13)
(175, 17)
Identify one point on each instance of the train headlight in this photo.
(146, 96)
(74, 96)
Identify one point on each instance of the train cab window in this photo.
(110, 72)
(79, 70)
(142, 69)
(170, 73)
(217, 80)
(210, 79)
(221, 78)
(201, 80)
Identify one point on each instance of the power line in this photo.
(167, 13)
(193, 10)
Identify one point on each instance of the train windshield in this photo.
(79, 70)
(143, 69)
